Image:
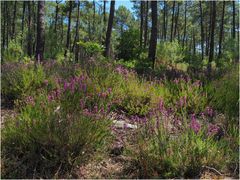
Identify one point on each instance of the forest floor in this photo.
(115, 164)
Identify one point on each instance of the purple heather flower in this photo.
(212, 129)
(194, 124)
(209, 111)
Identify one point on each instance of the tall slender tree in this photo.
(23, 17)
(146, 25)
(69, 28)
(211, 52)
(14, 19)
(153, 40)
(185, 24)
(221, 34)
(202, 30)
(76, 39)
(29, 46)
(141, 22)
(233, 20)
(109, 29)
(173, 13)
(176, 19)
(40, 31)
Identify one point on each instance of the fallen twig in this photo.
(213, 169)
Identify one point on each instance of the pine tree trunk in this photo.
(3, 5)
(56, 16)
(173, 12)
(202, 31)
(185, 24)
(146, 26)
(233, 21)
(29, 47)
(141, 23)
(76, 39)
(40, 31)
(14, 17)
(69, 28)
(211, 52)
(23, 15)
(221, 31)
(109, 29)
(153, 40)
(176, 20)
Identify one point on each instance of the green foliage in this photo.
(49, 139)
(91, 48)
(161, 154)
(128, 47)
(13, 53)
(19, 80)
(169, 52)
(225, 93)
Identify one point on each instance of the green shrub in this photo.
(225, 93)
(13, 53)
(160, 154)
(19, 80)
(54, 132)
(128, 47)
(92, 49)
(169, 52)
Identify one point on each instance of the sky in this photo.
(125, 3)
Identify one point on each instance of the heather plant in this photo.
(49, 136)
(162, 154)
(19, 80)
(225, 93)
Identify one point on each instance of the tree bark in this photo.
(211, 53)
(23, 14)
(76, 39)
(146, 26)
(69, 28)
(221, 30)
(202, 30)
(40, 31)
(185, 24)
(233, 21)
(109, 29)
(141, 23)
(56, 16)
(176, 20)
(29, 46)
(164, 20)
(173, 12)
(3, 5)
(153, 40)
(14, 17)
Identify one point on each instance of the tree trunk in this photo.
(29, 46)
(202, 31)
(69, 28)
(185, 23)
(14, 17)
(211, 53)
(40, 31)
(56, 16)
(153, 40)
(109, 29)
(146, 26)
(221, 31)
(94, 16)
(76, 39)
(104, 12)
(194, 43)
(141, 24)
(23, 14)
(8, 26)
(173, 9)
(164, 20)
(34, 24)
(176, 20)
(3, 4)
(233, 21)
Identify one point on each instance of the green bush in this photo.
(54, 132)
(13, 53)
(128, 47)
(225, 93)
(169, 52)
(92, 49)
(160, 154)
(19, 80)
